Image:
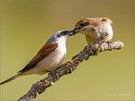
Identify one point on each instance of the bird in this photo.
(48, 58)
(93, 28)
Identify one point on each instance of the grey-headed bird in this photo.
(49, 57)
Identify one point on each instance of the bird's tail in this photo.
(10, 79)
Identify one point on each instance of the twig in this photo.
(69, 67)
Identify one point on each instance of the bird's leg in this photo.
(109, 42)
(97, 49)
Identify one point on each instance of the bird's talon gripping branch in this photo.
(74, 64)
(109, 44)
(69, 70)
(97, 50)
(68, 66)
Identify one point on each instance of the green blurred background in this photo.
(27, 24)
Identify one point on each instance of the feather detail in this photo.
(10, 79)
(43, 52)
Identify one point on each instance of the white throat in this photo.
(62, 43)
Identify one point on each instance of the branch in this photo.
(69, 67)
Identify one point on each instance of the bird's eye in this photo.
(65, 32)
(82, 24)
(104, 19)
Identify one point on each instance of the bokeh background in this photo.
(27, 24)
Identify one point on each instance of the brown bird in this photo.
(93, 28)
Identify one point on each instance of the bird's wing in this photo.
(43, 52)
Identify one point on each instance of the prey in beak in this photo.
(74, 31)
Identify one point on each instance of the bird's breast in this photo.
(97, 31)
(93, 32)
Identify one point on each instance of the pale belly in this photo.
(50, 63)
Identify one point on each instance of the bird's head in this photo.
(62, 34)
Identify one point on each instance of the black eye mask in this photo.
(64, 33)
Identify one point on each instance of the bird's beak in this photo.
(74, 31)
(65, 33)
(70, 32)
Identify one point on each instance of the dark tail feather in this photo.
(10, 79)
